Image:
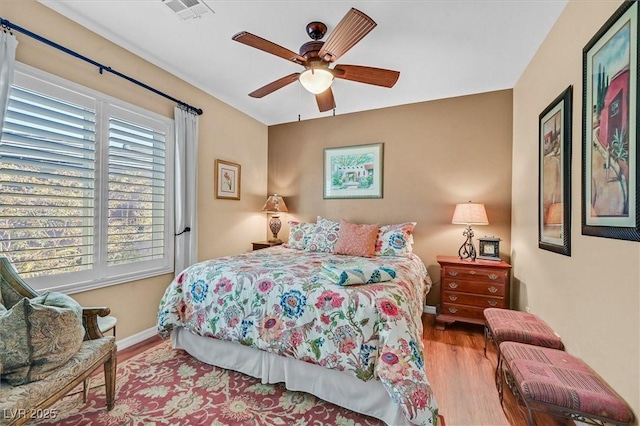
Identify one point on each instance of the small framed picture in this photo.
(227, 180)
(554, 174)
(489, 248)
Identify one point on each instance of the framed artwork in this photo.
(227, 180)
(353, 171)
(610, 206)
(554, 185)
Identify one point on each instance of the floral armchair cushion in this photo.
(8, 295)
(38, 335)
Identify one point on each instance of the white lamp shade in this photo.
(316, 80)
(470, 214)
(274, 204)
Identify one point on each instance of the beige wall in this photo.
(592, 299)
(436, 154)
(224, 227)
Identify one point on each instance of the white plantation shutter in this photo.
(47, 170)
(137, 174)
(86, 186)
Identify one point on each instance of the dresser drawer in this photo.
(462, 311)
(492, 289)
(472, 299)
(475, 274)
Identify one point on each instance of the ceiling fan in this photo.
(316, 57)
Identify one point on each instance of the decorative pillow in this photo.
(300, 233)
(39, 335)
(395, 240)
(325, 237)
(357, 240)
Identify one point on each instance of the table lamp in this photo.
(275, 205)
(469, 214)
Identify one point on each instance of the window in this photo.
(85, 186)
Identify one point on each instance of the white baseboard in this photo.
(136, 338)
(428, 309)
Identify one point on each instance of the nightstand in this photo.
(467, 288)
(257, 245)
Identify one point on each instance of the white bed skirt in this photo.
(368, 398)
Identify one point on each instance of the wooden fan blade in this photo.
(369, 75)
(268, 46)
(325, 100)
(349, 31)
(274, 85)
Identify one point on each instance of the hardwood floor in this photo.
(461, 377)
(138, 348)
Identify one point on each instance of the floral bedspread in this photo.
(277, 300)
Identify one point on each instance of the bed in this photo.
(278, 314)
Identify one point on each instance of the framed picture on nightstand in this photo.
(489, 248)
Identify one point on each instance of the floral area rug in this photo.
(163, 386)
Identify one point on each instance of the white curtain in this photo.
(186, 172)
(8, 44)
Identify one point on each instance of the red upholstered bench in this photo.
(555, 382)
(504, 325)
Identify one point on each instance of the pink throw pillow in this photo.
(357, 240)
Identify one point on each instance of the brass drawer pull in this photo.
(453, 297)
(493, 303)
(472, 272)
(493, 289)
(453, 285)
(453, 310)
(492, 276)
(453, 273)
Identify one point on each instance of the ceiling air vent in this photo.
(188, 9)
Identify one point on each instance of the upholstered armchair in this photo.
(25, 398)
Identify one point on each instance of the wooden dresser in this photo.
(467, 288)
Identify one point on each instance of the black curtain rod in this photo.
(7, 24)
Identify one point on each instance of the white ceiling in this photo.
(442, 48)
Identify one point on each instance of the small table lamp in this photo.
(469, 214)
(275, 205)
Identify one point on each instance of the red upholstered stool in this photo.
(504, 325)
(555, 382)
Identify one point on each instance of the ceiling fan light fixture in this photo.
(316, 80)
